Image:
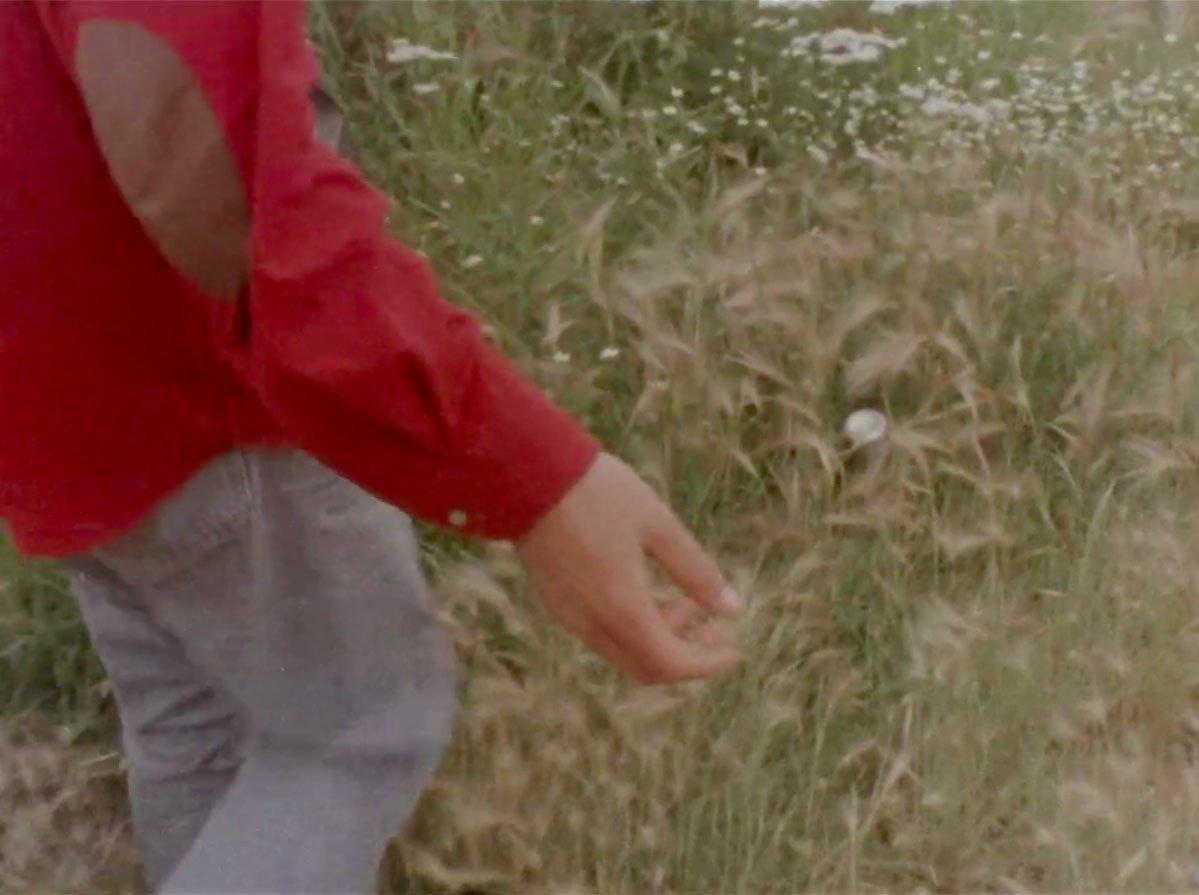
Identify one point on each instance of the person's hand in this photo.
(587, 563)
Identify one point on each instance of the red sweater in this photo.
(187, 268)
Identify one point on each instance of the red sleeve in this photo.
(349, 344)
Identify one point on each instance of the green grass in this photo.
(970, 662)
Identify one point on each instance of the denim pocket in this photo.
(211, 509)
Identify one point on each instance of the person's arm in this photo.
(203, 114)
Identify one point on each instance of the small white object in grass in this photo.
(561, 357)
(472, 262)
(403, 50)
(864, 427)
(609, 353)
(426, 88)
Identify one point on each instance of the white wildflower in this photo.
(472, 262)
(426, 88)
(610, 353)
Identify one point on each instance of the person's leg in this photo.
(183, 735)
(314, 615)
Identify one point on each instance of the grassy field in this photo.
(711, 231)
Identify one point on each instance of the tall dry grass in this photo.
(970, 660)
(63, 816)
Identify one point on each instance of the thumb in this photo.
(689, 566)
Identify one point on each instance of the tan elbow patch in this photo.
(167, 152)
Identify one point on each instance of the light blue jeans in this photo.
(284, 690)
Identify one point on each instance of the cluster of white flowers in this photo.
(887, 7)
(842, 46)
(787, 91)
(788, 4)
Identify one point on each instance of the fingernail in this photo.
(730, 601)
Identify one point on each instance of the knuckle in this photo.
(657, 537)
